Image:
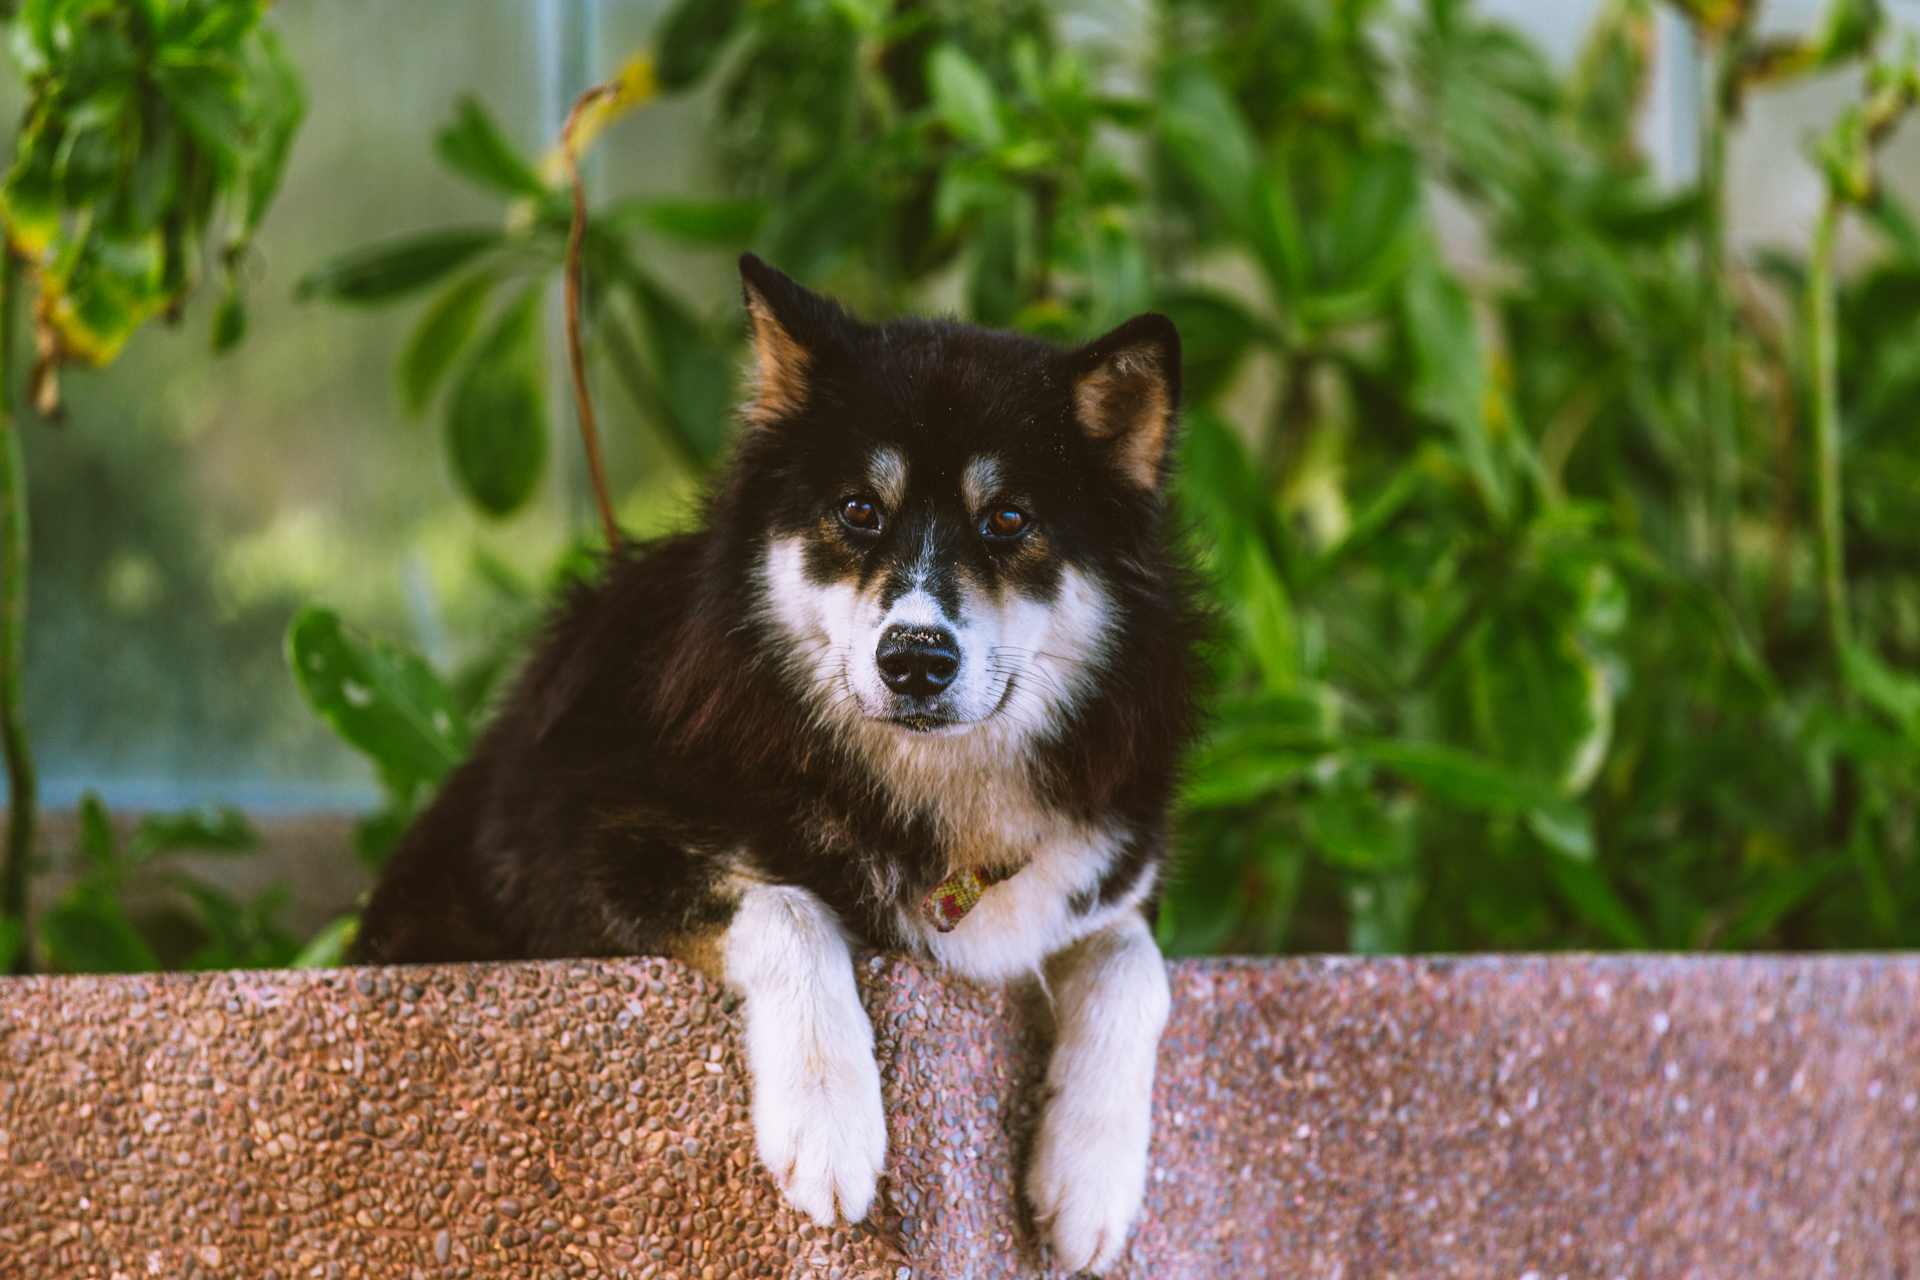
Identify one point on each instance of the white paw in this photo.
(817, 1118)
(822, 1134)
(1088, 1175)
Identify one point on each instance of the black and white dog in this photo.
(920, 683)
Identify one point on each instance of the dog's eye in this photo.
(860, 513)
(1005, 522)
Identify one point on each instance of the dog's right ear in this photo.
(790, 324)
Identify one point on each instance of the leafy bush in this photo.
(1547, 621)
(89, 931)
(149, 124)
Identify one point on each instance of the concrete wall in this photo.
(1499, 1117)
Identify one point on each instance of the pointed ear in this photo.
(785, 319)
(1126, 389)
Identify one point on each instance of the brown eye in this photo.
(860, 513)
(1005, 522)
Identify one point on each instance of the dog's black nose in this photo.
(918, 661)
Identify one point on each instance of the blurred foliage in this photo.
(389, 704)
(1524, 643)
(90, 931)
(144, 121)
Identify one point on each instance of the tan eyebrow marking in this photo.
(887, 472)
(980, 481)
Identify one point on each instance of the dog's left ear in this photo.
(1126, 390)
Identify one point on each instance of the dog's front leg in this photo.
(1089, 1167)
(817, 1118)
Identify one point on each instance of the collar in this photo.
(948, 902)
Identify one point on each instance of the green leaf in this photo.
(328, 948)
(241, 936)
(1541, 704)
(1450, 375)
(1849, 31)
(995, 275)
(229, 322)
(1223, 493)
(1361, 240)
(1216, 333)
(1566, 828)
(280, 103)
(1230, 780)
(1585, 889)
(443, 330)
(1894, 221)
(87, 932)
(473, 145)
(381, 698)
(395, 268)
(1214, 147)
(692, 375)
(1357, 828)
(1611, 76)
(1778, 895)
(222, 829)
(1456, 776)
(1116, 270)
(496, 414)
(1375, 515)
(1380, 910)
(194, 30)
(836, 211)
(727, 223)
(1210, 140)
(963, 96)
(1637, 217)
(203, 100)
(13, 935)
(96, 835)
(1258, 745)
(1893, 693)
(691, 39)
(1267, 621)
(1207, 891)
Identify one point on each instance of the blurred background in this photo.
(1543, 624)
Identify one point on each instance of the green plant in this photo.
(388, 703)
(89, 931)
(1480, 528)
(488, 368)
(1519, 648)
(147, 122)
(392, 707)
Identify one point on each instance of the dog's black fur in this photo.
(710, 757)
(657, 732)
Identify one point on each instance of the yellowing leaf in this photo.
(632, 88)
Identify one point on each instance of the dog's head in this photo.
(941, 511)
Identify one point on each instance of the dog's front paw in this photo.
(822, 1134)
(1088, 1175)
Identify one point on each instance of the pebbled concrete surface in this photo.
(1500, 1117)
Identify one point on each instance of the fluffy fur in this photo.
(934, 623)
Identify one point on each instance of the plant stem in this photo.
(1722, 60)
(576, 348)
(21, 797)
(1826, 429)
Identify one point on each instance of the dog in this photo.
(921, 682)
